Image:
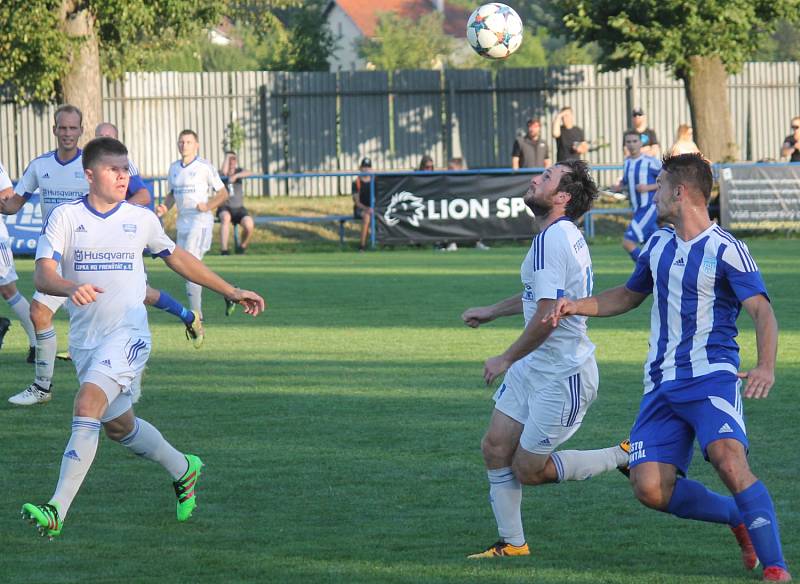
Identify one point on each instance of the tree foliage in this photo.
(402, 43)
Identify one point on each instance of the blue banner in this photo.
(25, 227)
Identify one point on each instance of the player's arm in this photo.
(612, 302)
(169, 202)
(556, 127)
(220, 197)
(240, 175)
(643, 188)
(474, 317)
(581, 147)
(535, 333)
(188, 266)
(515, 162)
(48, 281)
(548, 162)
(139, 193)
(787, 149)
(11, 203)
(761, 378)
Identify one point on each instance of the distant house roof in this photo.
(365, 13)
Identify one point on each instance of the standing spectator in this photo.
(362, 200)
(650, 145)
(233, 211)
(530, 151)
(570, 141)
(791, 145)
(684, 141)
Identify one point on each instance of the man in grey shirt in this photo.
(233, 211)
(530, 151)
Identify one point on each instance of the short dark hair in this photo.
(67, 109)
(188, 133)
(100, 147)
(690, 169)
(631, 133)
(580, 185)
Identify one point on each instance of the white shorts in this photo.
(551, 410)
(51, 302)
(8, 272)
(116, 367)
(197, 240)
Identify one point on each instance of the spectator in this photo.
(362, 200)
(684, 141)
(570, 141)
(650, 145)
(791, 145)
(426, 163)
(233, 210)
(456, 164)
(530, 151)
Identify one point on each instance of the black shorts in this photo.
(357, 212)
(237, 213)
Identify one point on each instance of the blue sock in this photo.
(168, 303)
(634, 253)
(758, 513)
(692, 500)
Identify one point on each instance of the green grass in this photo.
(341, 436)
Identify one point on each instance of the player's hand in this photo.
(474, 317)
(250, 301)
(563, 307)
(759, 381)
(495, 367)
(161, 210)
(202, 207)
(84, 294)
(642, 188)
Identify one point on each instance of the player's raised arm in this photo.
(612, 302)
(163, 208)
(188, 266)
(474, 317)
(761, 378)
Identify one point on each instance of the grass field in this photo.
(341, 436)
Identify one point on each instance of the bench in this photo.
(588, 218)
(340, 219)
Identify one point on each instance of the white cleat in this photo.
(31, 396)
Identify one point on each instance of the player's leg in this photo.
(19, 304)
(366, 221)
(197, 241)
(163, 300)
(248, 227)
(224, 230)
(43, 307)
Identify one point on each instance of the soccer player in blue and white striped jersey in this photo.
(700, 277)
(639, 182)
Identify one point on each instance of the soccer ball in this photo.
(494, 31)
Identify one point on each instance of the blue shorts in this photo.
(670, 417)
(643, 224)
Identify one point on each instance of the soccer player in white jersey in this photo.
(551, 375)
(700, 277)
(639, 175)
(58, 175)
(191, 181)
(98, 242)
(140, 195)
(8, 277)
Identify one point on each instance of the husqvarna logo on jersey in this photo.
(406, 207)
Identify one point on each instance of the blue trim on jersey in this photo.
(66, 162)
(135, 184)
(27, 196)
(56, 256)
(162, 254)
(538, 245)
(85, 200)
(747, 261)
(187, 165)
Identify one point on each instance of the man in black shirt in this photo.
(791, 145)
(362, 200)
(570, 141)
(530, 151)
(650, 145)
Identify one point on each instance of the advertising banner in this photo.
(760, 196)
(24, 227)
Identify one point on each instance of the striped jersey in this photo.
(698, 287)
(558, 264)
(58, 181)
(191, 185)
(5, 183)
(642, 170)
(104, 249)
(136, 183)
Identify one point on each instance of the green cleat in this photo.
(230, 306)
(185, 487)
(44, 517)
(195, 331)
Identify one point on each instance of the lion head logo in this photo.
(404, 206)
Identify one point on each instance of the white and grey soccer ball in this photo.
(494, 31)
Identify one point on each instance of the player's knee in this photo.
(495, 451)
(650, 492)
(151, 296)
(8, 291)
(41, 316)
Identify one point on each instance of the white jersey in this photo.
(58, 181)
(104, 249)
(558, 264)
(5, 183)
(191, 185)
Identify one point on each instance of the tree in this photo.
(395, 47)
(701, 42)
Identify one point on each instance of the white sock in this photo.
(579, 465)
(505, 495)
(146, 441)
(22, 309)
(195, 294)
(77, 460)
(46, 348)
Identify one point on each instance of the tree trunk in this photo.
(82, 84)
(706, 87)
